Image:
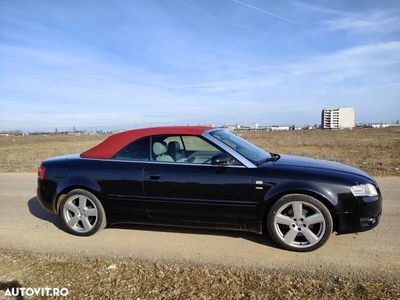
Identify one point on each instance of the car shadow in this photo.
(39, 212)
(263, 239)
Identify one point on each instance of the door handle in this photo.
(153, 176)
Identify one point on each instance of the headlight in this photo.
(363, 190)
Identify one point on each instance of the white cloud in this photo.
(360, 60)
(379, 22)
(351, 66)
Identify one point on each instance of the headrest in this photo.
(159, 148)
(174, 147)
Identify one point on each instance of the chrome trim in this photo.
(162, 162)
(206, 134)
(181, 200)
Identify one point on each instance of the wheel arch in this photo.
(74, 183)
(329, 203)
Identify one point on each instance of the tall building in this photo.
(338, 118)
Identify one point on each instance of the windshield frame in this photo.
(249, 146)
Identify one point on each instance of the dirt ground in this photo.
(151, 262)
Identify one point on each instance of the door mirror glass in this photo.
(221, 159)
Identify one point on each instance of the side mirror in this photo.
(221, 159)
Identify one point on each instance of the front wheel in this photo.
(299, 222)
(82, 213)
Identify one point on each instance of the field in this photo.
(105, 278)
(376, 151)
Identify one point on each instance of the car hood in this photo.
(312, 163)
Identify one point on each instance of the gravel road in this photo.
(24, 225)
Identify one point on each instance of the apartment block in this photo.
(338, 118)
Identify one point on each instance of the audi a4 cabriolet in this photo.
(206, 177)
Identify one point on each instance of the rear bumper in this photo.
(367, 217)
(45, 194)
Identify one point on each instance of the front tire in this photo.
(81, 213)
(299, 223)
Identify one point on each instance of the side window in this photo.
(167, 148)
(138, 150)
(195, 143)
(182, 149)
(198, 151)
(174, 139)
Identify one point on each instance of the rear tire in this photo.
(82, 213)
(299, 222)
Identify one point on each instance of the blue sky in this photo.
(125, 64)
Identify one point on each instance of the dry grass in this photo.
(101, 278)
(24, 153)
(376, 151)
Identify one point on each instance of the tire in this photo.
(82, 213)
(299, 222)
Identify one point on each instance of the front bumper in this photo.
(367, 217)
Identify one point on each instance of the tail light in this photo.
(41, 172)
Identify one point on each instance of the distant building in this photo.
(310, 127)
(280, 128)
(381, 125)
(232, 127)
(338, 118)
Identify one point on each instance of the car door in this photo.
(123, 182)
(189, 189)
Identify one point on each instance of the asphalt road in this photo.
(24, 225)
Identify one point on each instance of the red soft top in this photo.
(111, 145)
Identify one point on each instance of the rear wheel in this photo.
(81, 213)
(299, 222)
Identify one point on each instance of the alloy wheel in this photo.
(299, 224)
(80, 213)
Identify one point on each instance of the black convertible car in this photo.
(207, 177)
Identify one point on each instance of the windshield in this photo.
(245, 148)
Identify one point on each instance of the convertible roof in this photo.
(111, 145)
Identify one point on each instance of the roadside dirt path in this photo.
(24, 225)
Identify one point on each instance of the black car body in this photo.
(228, 189)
